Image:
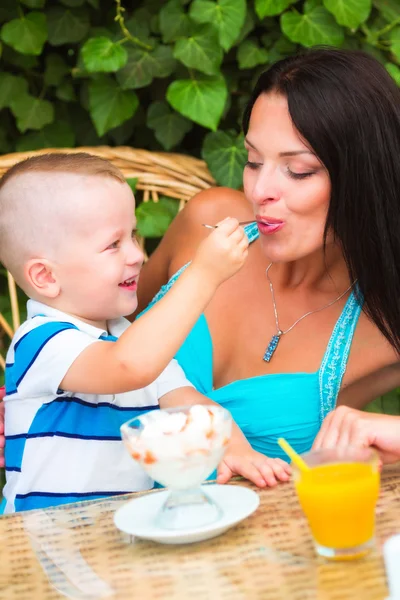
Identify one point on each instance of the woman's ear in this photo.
(40, 276)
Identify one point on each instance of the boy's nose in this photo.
(135, 254)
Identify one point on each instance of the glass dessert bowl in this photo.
(179, 448)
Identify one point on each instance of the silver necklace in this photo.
(279, 332)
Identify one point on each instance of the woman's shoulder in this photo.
(214, 204)
(186, 231)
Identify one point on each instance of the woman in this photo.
(315, 309)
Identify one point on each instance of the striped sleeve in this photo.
(43, 356)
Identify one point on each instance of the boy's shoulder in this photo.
(43, 325)
(34, 321)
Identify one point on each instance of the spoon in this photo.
(240, 223)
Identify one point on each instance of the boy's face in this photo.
(99, 265)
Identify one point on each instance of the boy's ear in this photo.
(40, 275)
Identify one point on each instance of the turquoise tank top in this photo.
(292, 405)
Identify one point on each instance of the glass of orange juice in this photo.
(338, 495)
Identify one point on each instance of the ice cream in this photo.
(180, 448)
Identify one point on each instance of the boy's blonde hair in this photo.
(78, 162)
(28, 204)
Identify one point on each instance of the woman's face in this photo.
(285, 182)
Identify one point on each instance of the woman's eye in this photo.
(294, 175)
(252, 165)
(113, 245)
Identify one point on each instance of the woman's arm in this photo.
(184, 235)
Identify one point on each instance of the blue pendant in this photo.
(271, 347)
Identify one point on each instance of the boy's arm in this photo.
(239, 458)
(146, 347)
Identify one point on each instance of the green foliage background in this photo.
(162, 75)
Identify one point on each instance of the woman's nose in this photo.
(265, 189)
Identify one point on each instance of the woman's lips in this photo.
(268, 225)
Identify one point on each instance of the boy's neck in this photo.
(98, 324)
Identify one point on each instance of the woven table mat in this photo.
(75, 551)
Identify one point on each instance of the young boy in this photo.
(76, 369)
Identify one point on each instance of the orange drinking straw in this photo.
(292, 454)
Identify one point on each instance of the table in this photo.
(75, 551)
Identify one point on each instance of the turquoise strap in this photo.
(336, 356)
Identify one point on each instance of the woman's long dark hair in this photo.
(347, 108)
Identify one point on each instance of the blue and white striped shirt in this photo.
(62, 446)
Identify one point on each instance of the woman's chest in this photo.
(242, 321)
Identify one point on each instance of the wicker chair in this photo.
(173, 175)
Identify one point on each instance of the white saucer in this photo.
(137, 516)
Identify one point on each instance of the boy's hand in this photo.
(223, 252)
(241, 459)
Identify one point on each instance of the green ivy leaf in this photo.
(11, 87)
(311, 4)
(269, 8)
(201, 99)
(27, 34)
(164, 57)
(56, 68)
(228, 16)
(395, 42)
(315, 27)
(142, 66)
(250, 55)
(225, 156)
(169, 127)
(31, 112)
(174, 22)
(67, 26)
(281, 48)
(394, 72)
(65, 91)
(389, 9)
(154, 218)
(350, 13)
(56, 135)
(139, 25)
(132, 182)
(109, 105)
(248, 25)
(101, 55)
(34, 3)
(201, 50)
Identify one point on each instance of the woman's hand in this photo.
(349, 427)
(241, 459)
